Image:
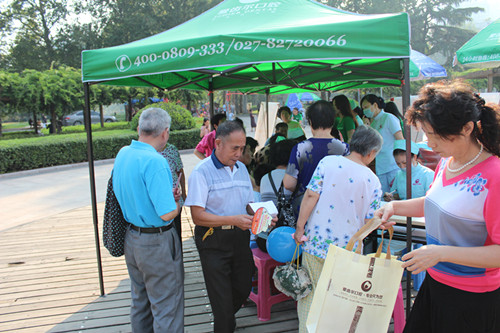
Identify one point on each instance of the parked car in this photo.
(76, 118)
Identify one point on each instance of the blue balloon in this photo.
(281, 245)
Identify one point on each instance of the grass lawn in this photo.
(64, 137)
(11, 125)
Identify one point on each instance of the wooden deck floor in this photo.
(49, 283)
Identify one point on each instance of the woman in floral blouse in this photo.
(342, 193)
(171, 153)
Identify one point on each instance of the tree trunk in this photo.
(35, 122)
(59, 124)
(129, 109)
(244, 101)
(101, 111)
(53, 122)
(1, 132)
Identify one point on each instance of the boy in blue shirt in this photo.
(421, 176)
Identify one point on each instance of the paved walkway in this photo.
(28, 196)
(32, 195)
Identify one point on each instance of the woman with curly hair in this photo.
(461, 291)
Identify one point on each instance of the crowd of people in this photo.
(334, 188)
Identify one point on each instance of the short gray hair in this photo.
(153, 122)
(365, 139)
(228, 127)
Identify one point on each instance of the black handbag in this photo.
(286, 217)
(114, 224)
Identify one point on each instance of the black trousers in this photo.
(228, 267)
(439, 308)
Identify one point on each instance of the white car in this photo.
(76, 118)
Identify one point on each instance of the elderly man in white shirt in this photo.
(219, 191)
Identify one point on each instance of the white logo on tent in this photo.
(248, 1)
(494, 36)
(123, 63)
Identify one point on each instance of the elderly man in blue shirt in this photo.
(143, 186)
(219, 191)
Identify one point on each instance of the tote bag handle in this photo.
(364, 231)
(379, 249)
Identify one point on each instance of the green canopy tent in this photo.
(257, 46)
(241, 44)
(482, 50)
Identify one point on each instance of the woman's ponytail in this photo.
(381, 103)
(488, 126)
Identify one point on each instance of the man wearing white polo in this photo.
(219, 191)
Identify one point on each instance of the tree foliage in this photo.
(188, 98)
(35, 25)
(123, 21)
(54, 92)
(436, 25)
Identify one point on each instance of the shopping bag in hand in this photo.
(291, 279)
(355, 293)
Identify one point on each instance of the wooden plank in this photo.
(74, 280)
(56, 288)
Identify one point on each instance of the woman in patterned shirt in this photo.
(461, 290)
(342, 194)
(171, 153)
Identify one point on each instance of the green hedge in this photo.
(40, 152)
(19, 135)
(181, 118)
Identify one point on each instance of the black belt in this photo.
(151, 230)
(225, 227)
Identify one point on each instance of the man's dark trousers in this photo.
(228, 267)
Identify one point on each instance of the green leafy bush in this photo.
(185, 139)
(181, 118)
(40, 152)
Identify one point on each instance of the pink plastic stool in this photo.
(263, 299)
(398, 314)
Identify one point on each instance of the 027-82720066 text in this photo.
(245, 45)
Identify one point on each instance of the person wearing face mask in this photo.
(390, 129)
(421, 176)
